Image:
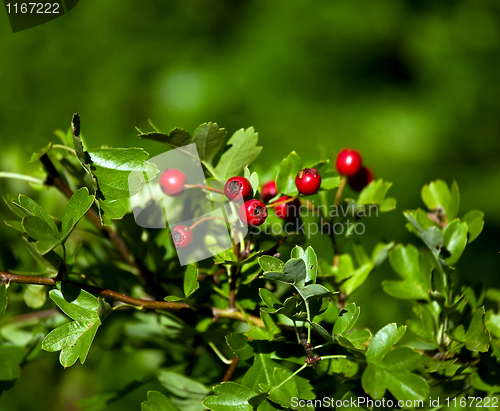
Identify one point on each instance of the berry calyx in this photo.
(268, 191)
(253, 212)
(308, 181)
(361, 179)
(287, 211)
(236, 186)
(181, 236)
(348, 162)
(172, 182)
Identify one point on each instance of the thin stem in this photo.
(332, 357)
(339, 190)
(289, 200)
(287, 379)
(296, 332)
(219, 354)
(309, 322)
(205, 219)
(6, 174)
(204, 187)
(230, 370)
(321, 346)
(62, 147)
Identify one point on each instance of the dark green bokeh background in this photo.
(413, 84)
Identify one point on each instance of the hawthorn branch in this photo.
(207, 311)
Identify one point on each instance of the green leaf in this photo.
(360, 254)
(262, 376)
(310, 260)
(261, 372)
(31, 207)
(381, 252)
(111, 170)
(477, 337)
(383, 341)
(287, 391)
(374, 193)
(11, 357)
(39, 230)
(475, 223)
(294, 273)
(75, 338)
(37, 156)
(358, 337)
(344, 269)
(394, 374)
(424, 327)
(288, 170)
(330, 180)
(35, 296)
(243, 150)
(191, 283)
(455, 240)
(269, 298)
(175, 139)
(3, 299)
(181, 385)
(254, 182)
(269, 263)
(346, 320)
(491, 321)
(157, 402)
(437, 196)
(77, 206)
(209, 139)
(432, 236)
(454, 202)
(230, 396)
(312, 291)
(357, 279)
(321, 167)
(414, 268)
(392, 369)
(239, 346)
(479, 384)
(321, 331)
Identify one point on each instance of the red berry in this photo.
(253, 212)
(348, 162)
(172, 182)
(361, 179)
(181, 236)
(287, 211)
(308, 181)
(236, 186)
(268, 191)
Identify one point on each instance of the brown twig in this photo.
(212, 312)
(230, 370)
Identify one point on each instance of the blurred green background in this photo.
(413, 84)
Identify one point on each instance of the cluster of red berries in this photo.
(253, 211)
